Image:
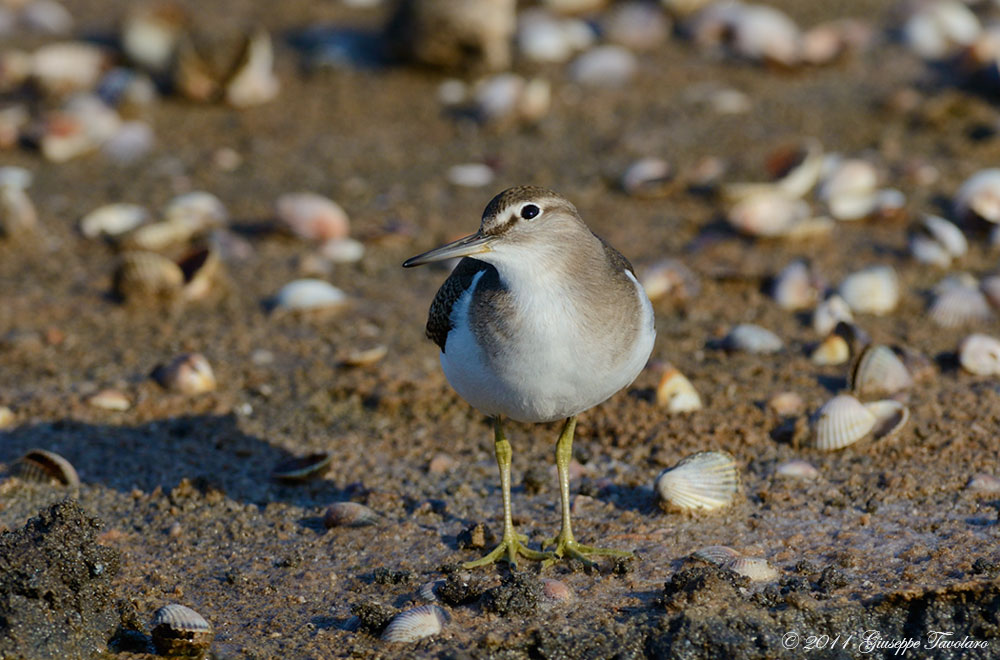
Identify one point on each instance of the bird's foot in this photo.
(568, 548)
(510, 547)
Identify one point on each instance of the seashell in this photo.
(636, 25)
(188, 373)
(980, 354)
(17, 212)
(823, 43)
(46, 466)
(752, 339)
(349, 514)
(179, 631)
(947, 234)
(763, 33)
(308, 294)
(670, 276)
(677, 393)
(956, 305)
(496, 98)
(890, 416)
(926, 250)
(452, 92)
(311, 216)
(133, 140)
(719, 555)
(848, 188)
(937, 30)
(648, 178)
(603, 66)
(7, 417)
(984, 483)
(768, 214)
(142, 274)
(797, 172)
(68, 66)
(794, 287)
(342, 250)
(470, 175)
(556, 591)
(832, 350)
(979, 196)
(253, 81)
(415, 624)
(303, 468)
(199, 210)
(797, 469)
(810, 228)
(542, 37)
(428, 590)
(150, 33)
(786, 404)
(201, 269)
(109, 400)
(879, 370)
(990, 286)
(83, 124)
(113, 220)
(829, 313)
(704, 481)
(46, 17)
(755, 568)
(367, 357)
(873, 290)
(840, 422)
(15, 177)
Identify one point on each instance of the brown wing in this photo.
(439, 319)
(616, 258)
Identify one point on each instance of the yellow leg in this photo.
(566, 545)
(512, 543)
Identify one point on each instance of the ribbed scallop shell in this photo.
(180, 617)
(756, 568)
(980, 354)
(179, 631)
(720, 555)
(958, 304)
(879, 371)
(142, 274)
(890, 417)
(428, 590)
(45, 466)
(840, 422)
(873, 290)
(707, 480)
(752, 339)
(415, 624)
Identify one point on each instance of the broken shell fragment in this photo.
(189, 373)
(199, 210)
(308, 294)
(113, 220)
(676, 392)
(179, 631)
(46, 466)
(937, 241)
(756, 568)
(794, 287)
(415, 624)
(832, 350)
(303, 468)
(312, 217)
(873, 290)
(879, 371)
(980, 354)
(768, 214)
(890, 417)
(752, 338)
(365, 357)
(979, 196)
(958, 302)
(253, 81)
(704, 481)
(829, 313)
(144, 274)
(349, 514)
(797, 171)
(841, 422)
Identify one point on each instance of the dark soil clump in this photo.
(517, 595)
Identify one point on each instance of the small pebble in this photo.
(556, 591)
(440, 464)
(604, 66)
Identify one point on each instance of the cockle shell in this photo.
(143, 274)
(959, 301)
(109, 400)
(303, 468)
(848, 188)
(179, 631)
(979, 196)
(704, 481)
(415, 624)
(113, 220)
(797, 469)
(879, 371)
(840, 422)
(990, 286)
(45, 466)
(755, 568)
(719, 555)
(980, 354)
(829, 313)
(873, 290)
(312, 216)
(676, 392)
(890, 417)
(832, 350)
(946, 234)
(752, 339)
(795, 287)
(188, 373)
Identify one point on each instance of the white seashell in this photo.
(928, 251)
(83, 124)
(179, 631)
(677, 393)
(752, 339)
(648, 177)
(636, 25)
(958, 305)
(143, 274)
(980, 354)
(979, 196)
(150, 33)
(890, 417)
(938, 29)
(157, 236)
(470, 175)
(67, 66)
(719, 555)
(786, 404)
(535, 100)
(496, 98)
(797, 469)
(308, 294)
(832, 350)
(755, 568)
(796, 181)
(768, 214)
(415, 624)
(763, 33)
(840, 422)
(794, 287)
(947, 234)
(428, 590)
(873, 290)
(132, 141)
(15, 177)
(603, 66)
(312, 217)
(201, 210)
(542, 37)
(17, 212)
(110, 400)
(823, 43)
(342, 250)
(254, 81)
(879, 370)
(829, 313)
(189, 373)
(670, 277)
(704, 481)
(984, 483)
(113, 220)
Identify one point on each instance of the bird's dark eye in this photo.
(529, 211)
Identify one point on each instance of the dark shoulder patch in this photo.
(616, 258)
(439, 318)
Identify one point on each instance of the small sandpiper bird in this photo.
(538, 322)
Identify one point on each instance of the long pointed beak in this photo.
(477, 243)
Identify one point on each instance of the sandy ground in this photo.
(888, 537)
